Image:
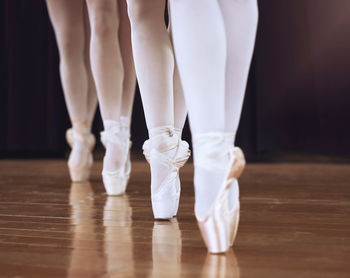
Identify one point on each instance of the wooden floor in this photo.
(295, 222)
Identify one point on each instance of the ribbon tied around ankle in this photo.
(73, 136)
(210, 148)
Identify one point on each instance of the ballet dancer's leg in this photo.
(67, 18)
(154, 60)
(200, 49)
(240, 19)
(180, 110)
(71, 24)
(210, 46)
(129, 82)
(107, 68)
(92, 93)
(154, 64)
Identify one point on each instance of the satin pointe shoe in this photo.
(166, 195)
(219, 227)
(125, 129)
(115, 182)
(81, 142)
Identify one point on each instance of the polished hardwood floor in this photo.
(295, 222)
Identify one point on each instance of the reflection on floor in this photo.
(294, 223)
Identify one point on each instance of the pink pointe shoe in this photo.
(219, 227)
(80, 159)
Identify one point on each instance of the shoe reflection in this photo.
(118, 241)
(86, 256)
(166, 249)
(219, 266)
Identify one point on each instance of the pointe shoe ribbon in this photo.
(115, 182)
(73, 137)
(219, 227)
(182, 156)
(165, 197)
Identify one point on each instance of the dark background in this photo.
(297, 100)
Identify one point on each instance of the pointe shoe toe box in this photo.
(115, 184)
(165, 203)
(81, 172)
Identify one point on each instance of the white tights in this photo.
(113, 68)
(108, 49)
(159, 84)
(71, 26)
(213, 43)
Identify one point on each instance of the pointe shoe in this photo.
(234, 213)
(115, 182)
(125, 129)
(166, 197)
(85, 142)
(219, 227)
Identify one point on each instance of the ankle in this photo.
(163, 138)
(125, 125)
(80, 137)
(81, 126)
(211, 150)
(178, 132)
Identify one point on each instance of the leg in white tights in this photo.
(129, 81)
(72, 35)
(107, 68)
(68, 20)
(154, 63)
(240, 18)
(180, 110)
(92, 93)
(154, 60)
(213, 43)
